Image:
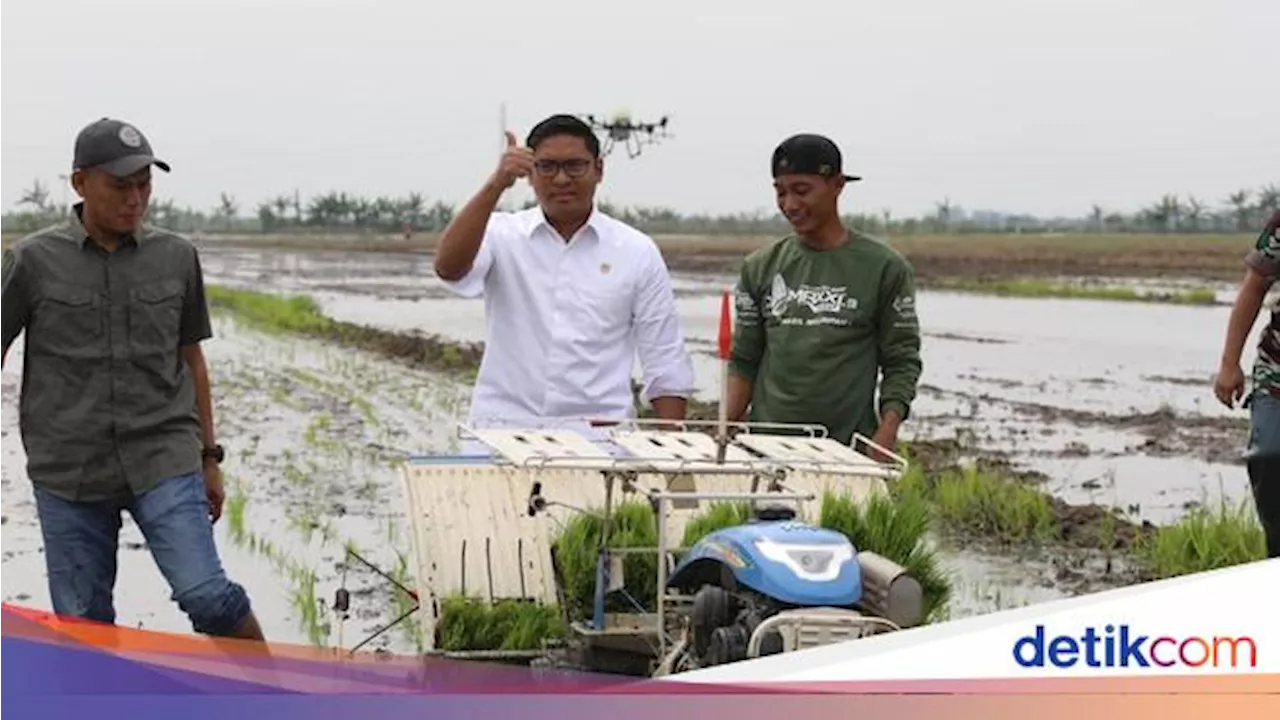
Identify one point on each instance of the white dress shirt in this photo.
(567, 319)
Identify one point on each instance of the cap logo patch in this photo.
(605, 268)
(130, 137)
(824, 169)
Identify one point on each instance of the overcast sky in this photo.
(1044, 106)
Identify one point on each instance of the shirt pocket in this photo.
(155, 318)
(603, 301)
(69, 321)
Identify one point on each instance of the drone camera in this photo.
(632, 133)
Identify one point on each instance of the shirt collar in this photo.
(594, 223)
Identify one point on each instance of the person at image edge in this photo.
(1262, 454)
(115, 410)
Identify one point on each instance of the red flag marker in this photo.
(726, 326)
(726, 348)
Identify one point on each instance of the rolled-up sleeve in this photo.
(473, 283)
(1265, 256)
(196, 326)
(17, 303)
(664, 359)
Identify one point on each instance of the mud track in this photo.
(1165, 433)
(1079, 526)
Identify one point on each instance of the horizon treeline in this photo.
(1243, 210)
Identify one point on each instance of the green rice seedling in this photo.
(270, 313)
(577, 547)
(717, 516)
(974, 502)
(473, 624)
(896, 528)
(1045, 289)
(1203, 540)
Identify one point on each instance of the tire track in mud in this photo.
(1163, 432)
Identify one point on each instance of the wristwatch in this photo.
(215, 453)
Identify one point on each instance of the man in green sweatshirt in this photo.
(824, 314)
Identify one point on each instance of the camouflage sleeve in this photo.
(1265, 256)
(748, 331)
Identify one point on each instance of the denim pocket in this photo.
(1264, 426)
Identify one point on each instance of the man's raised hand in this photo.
(516, 162)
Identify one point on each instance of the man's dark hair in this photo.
(564, 125)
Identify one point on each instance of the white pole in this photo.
(725, 344)
(502, 128)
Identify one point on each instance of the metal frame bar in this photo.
(650, 466)
(607, 462)
(562, 422)
(800, 620)
(893, 455)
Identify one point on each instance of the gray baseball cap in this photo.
(114, 147)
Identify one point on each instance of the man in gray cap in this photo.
(115, 412)
(825, 314)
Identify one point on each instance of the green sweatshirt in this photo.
(814, 330)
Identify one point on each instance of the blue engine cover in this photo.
(789, 561)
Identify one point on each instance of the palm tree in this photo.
(1269, 199)
(227, 209)
(945, 209)
(1239, 201)
(1195, 211)
(37, 195)
(281, 204)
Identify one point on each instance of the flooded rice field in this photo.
(315, 436)
(1110, 400)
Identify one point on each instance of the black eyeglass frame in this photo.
(573, 167)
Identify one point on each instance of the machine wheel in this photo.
(712, 608)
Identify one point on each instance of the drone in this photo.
(622, 129)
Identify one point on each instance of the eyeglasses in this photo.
(574, 167)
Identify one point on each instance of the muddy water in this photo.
(315, 433)
(314, 437)
(1111, 399)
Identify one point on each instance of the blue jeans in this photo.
(81, 541)
(1263, 461)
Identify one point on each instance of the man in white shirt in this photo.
(571, 295)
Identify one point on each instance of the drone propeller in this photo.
(622, 128)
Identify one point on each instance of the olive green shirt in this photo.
(816, 331)
(108, 403)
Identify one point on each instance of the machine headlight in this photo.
(811, 562)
